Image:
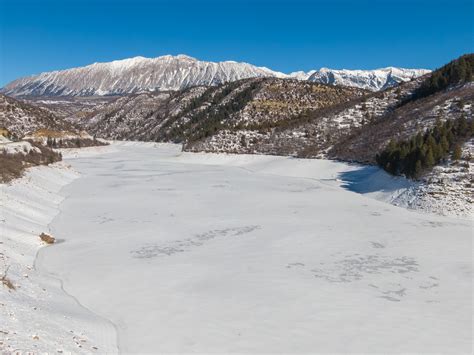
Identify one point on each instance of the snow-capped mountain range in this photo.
(374, 80)
(168, 72)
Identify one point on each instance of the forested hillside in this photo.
(426, 149)
(458, 71)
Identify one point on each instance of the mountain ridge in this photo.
(165, 73)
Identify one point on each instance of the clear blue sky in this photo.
(289, 35)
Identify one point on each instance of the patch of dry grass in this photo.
(6, 281)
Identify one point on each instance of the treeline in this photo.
(423, 151)
(455, 72)
(73, 142)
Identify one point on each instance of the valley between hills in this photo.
(175, 205)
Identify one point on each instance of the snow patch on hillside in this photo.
(21, 147)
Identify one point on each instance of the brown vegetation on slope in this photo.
(13, 165)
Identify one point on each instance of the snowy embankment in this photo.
(35, 313)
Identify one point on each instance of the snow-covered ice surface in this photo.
(218, 253)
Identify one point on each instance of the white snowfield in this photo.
(208, 253)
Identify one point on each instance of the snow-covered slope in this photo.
(302, 75)
(189, 114)
(374, 80)
(36, 314)
(21, 118)
(135, 75)
(20, 147)
(446, 190)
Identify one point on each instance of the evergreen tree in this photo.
(457, 152)
(462, 126)
(444, 145)
(418, 169)
(429, 159)
(451, 138)
(456, 72)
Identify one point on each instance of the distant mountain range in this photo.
(168, 72)
(374, 80)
